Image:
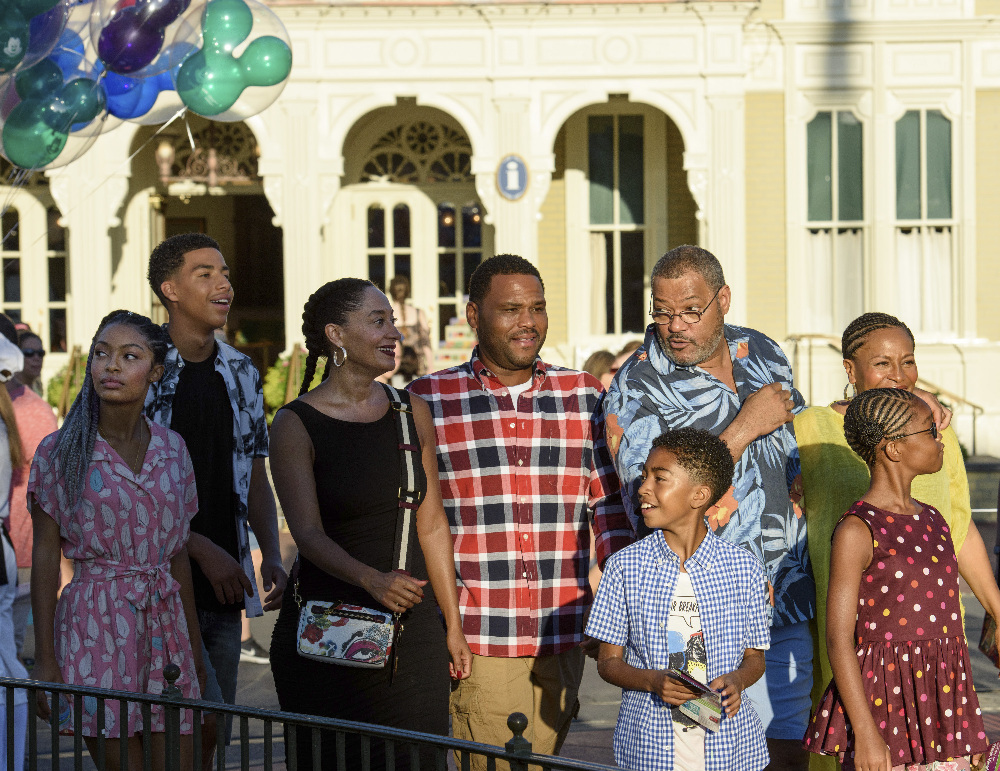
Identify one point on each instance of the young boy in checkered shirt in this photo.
(683, 599)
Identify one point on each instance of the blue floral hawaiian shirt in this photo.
(249, 432)
(650, 394)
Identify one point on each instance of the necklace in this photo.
(138, 454)
(138, 451)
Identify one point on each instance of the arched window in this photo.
(925, 223)
(10, 223)
(389, 244)
(58, 270)
(835, 240)
(419, 152)
(460, 250)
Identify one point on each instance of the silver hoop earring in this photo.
(333, 358)
(846, 397)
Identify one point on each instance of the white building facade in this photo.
(835, 156)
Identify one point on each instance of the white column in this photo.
(292, 187)
(515, 222)
(90, 201)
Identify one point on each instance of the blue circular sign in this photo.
(512, 177)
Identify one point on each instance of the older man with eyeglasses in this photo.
(695, 370)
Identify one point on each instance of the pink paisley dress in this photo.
(121, 620)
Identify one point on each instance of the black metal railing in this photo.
(516, 754)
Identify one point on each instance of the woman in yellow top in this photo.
(878, 353)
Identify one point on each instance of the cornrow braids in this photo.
(875, 415)
(329, 304)
(856, 334)
(75, 442)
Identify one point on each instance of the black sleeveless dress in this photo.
(357, 475)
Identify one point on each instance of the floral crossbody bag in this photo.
(354, 635)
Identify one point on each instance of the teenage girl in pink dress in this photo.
(116, 493)
(902, 694)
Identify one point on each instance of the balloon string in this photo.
(180, 113)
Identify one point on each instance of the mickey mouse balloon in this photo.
(241, 65)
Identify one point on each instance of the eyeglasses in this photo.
(663, 319)
(933, 431)
(29, 352)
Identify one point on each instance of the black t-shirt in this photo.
(203, 416)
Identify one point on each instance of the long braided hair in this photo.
(329, 304)
(875, 415)
(75, 442)
(856, 334)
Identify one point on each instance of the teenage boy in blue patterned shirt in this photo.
(211, 395)
(683, 598)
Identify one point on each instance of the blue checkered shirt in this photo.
(631, 610)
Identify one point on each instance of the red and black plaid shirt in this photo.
(518, 487)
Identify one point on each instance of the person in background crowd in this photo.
(695, 370)
(598, 364)
(337, 469)
(211, 395)
(525, 475)
(409, 367)
(11, 458)
(116, 493)
(34, 356)
(35, 421)
(412, 323)
(620, 358)
(878, 353)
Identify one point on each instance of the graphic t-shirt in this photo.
(687, 653)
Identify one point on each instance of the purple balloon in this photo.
(127, 44)
(161, 12)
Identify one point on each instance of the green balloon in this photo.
(210, 84)
(14, 34)
(41, 80)
(28, 140)
(32, 8)
(77, 104)
(226, 24)
(266, 61)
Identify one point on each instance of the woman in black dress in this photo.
(336, 468)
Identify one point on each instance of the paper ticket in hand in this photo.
(706, 708)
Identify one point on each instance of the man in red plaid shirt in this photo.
(525, 474)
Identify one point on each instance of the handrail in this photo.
(517, 751)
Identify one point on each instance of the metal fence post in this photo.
(172, 717)
(518, 745)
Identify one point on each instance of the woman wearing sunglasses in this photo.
(34, 356)
(878, 353)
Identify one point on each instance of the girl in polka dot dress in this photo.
(902, 696)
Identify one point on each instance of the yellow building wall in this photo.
(765, 210)
(987, 221)
(552, 248)
(987, 7)
(682, 225)
(773, 10)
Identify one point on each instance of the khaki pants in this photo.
(544, 688)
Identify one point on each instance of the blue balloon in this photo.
(68, 52)
(130, 98)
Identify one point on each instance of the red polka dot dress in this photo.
(910, 646)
